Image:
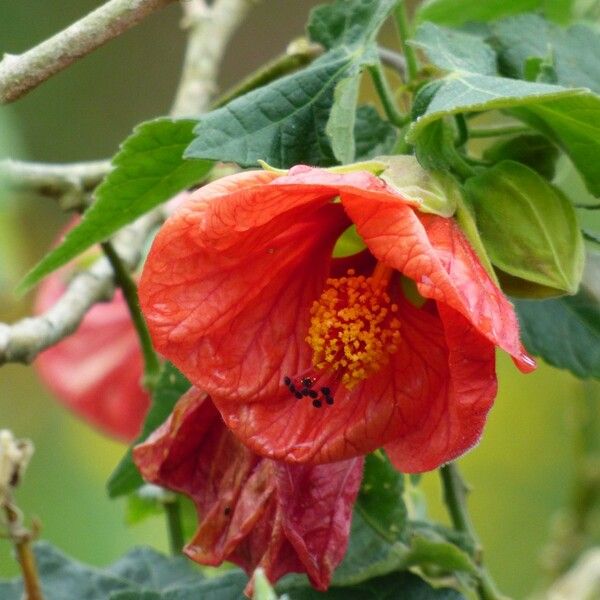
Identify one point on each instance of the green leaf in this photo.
(437, 552)
(380, 497)
(282, 123)
(470, 92)
(149, 169)
(528, 226)
(170, 387)
(569, 117)
(573, 123)
(348, 22)
(395, 586)
(154, 571)
(290, 120)
(342, 119)
(142, 574)
(372, 135)
(452, 50)
(457, 12)
(565, 331)
(574, 51)
(535, 151)
(434, 191)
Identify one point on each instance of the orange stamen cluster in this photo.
(353, 329)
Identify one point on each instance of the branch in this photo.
(19, 74)
(22, 341)
(209, 31)
(71, 185)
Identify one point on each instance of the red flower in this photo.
(96, 372)
(253, 511)
(308, 361)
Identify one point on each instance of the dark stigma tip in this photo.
(287, 380)
(298, 395)
(313, 394)
(325, 391)
(317, 403)
(329, 400)
(305, 392)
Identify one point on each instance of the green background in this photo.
(520, 472)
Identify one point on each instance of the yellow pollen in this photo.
(353, 327)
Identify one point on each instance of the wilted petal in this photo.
(252, 511)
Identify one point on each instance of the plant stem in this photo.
(387, 100)
(173, 514)
(19, 74)
(455, 497)
(298, 54)
(21, 538)
(71, 185)
(485, 132)
(128, 287)
(403, 28)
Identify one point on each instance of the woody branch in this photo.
(23, 340)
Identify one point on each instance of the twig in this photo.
(393, 60)
(23, 340)
(403, 28)
(19, 74)
(209, 31)
(71, 185)
(455, 498)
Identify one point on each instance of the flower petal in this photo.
(454, 419)
(253, 511)
(227, 285)
(316, 504)
(412, 401)
(433, 252)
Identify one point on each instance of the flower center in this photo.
(353, 328)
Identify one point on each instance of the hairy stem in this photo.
(173, 515)
(403, 28)
(19, 74)
(129, 289)
(386, 97)
(455, 497)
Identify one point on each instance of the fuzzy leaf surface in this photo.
(148, 170)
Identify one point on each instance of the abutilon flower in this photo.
(252, 511)
(311, 358)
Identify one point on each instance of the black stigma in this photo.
(313, 394)
(292, 388)
(298, 395)
(305, 392)
(307, 382)
(325, 391)
(329, 400)
(287, 380)
(317, 403)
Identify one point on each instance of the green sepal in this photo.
(431, 191)
(528, 227)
